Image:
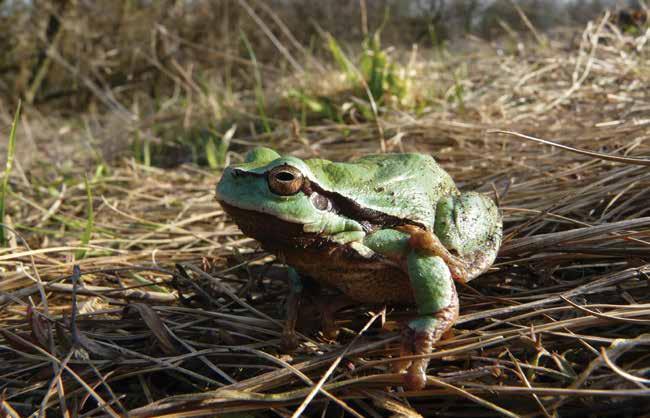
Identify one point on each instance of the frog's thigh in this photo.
(437, 303)
(466, 223)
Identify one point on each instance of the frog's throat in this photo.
(272, 234)
(279, 234)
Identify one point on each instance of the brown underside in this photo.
(366, 280)
(374, 280)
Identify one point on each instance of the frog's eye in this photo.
(285, 180)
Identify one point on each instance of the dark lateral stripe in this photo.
(370, 219)
(352, 210)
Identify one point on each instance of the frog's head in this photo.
(276, 200)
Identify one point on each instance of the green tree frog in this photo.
(383, 229)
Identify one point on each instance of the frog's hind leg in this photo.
(469, 225)
(437, 303)
(467, 234)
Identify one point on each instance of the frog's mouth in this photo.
(275, 233)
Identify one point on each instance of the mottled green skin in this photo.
(411, 188)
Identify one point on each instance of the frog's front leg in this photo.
(289, 340)
(437, 304)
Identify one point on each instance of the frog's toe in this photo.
(328, 307)
(421, 335)
(288, 342)
(330, 329)
(416, 375)
(406, 349)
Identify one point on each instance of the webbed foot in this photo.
(418, 338)
(437, 302)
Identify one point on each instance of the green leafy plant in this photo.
(385, 79)
(321, 107)
(345, 65)
(374, 78)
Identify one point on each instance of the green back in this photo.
(406, 186)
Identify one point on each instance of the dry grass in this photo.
(173, 311)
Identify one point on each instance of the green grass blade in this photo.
(90, 220)
(216, 149)
(4, 187)
(342, 60)
(211, 153)
(259, 88)
(146, 153)
(137, 148)
(224, 144)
